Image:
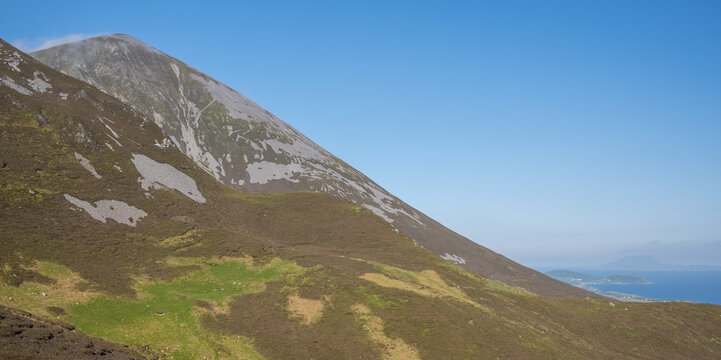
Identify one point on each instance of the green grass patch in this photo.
(186, 239)
(166, 317)
(424, 283)
(374, 299)
(17, 193)
(357, 209)
(60, 290)
(249, 198)
(487, 283)
(396, 273)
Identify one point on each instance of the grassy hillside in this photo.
(237, 275)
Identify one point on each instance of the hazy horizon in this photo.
(666, 258)
(556, 138)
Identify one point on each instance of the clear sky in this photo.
(554, 132)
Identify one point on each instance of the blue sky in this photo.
(554, 132)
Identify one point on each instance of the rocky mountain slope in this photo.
(106, 229)
(246, 147)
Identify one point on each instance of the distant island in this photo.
(586, 281)
(649, 263)
(581, 279)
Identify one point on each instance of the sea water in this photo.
(694, 286)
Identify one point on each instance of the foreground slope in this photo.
(106, 228)
(27, 337)
(246, 147)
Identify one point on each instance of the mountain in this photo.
(646, 262)
(106, 229)
(244, 146)
(643, 262)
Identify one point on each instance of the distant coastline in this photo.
(696, 286)
(581, 279)
(586, 281)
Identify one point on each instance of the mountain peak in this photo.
(121, 37)
(246, 147)
(645, 262)
(119, 42)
